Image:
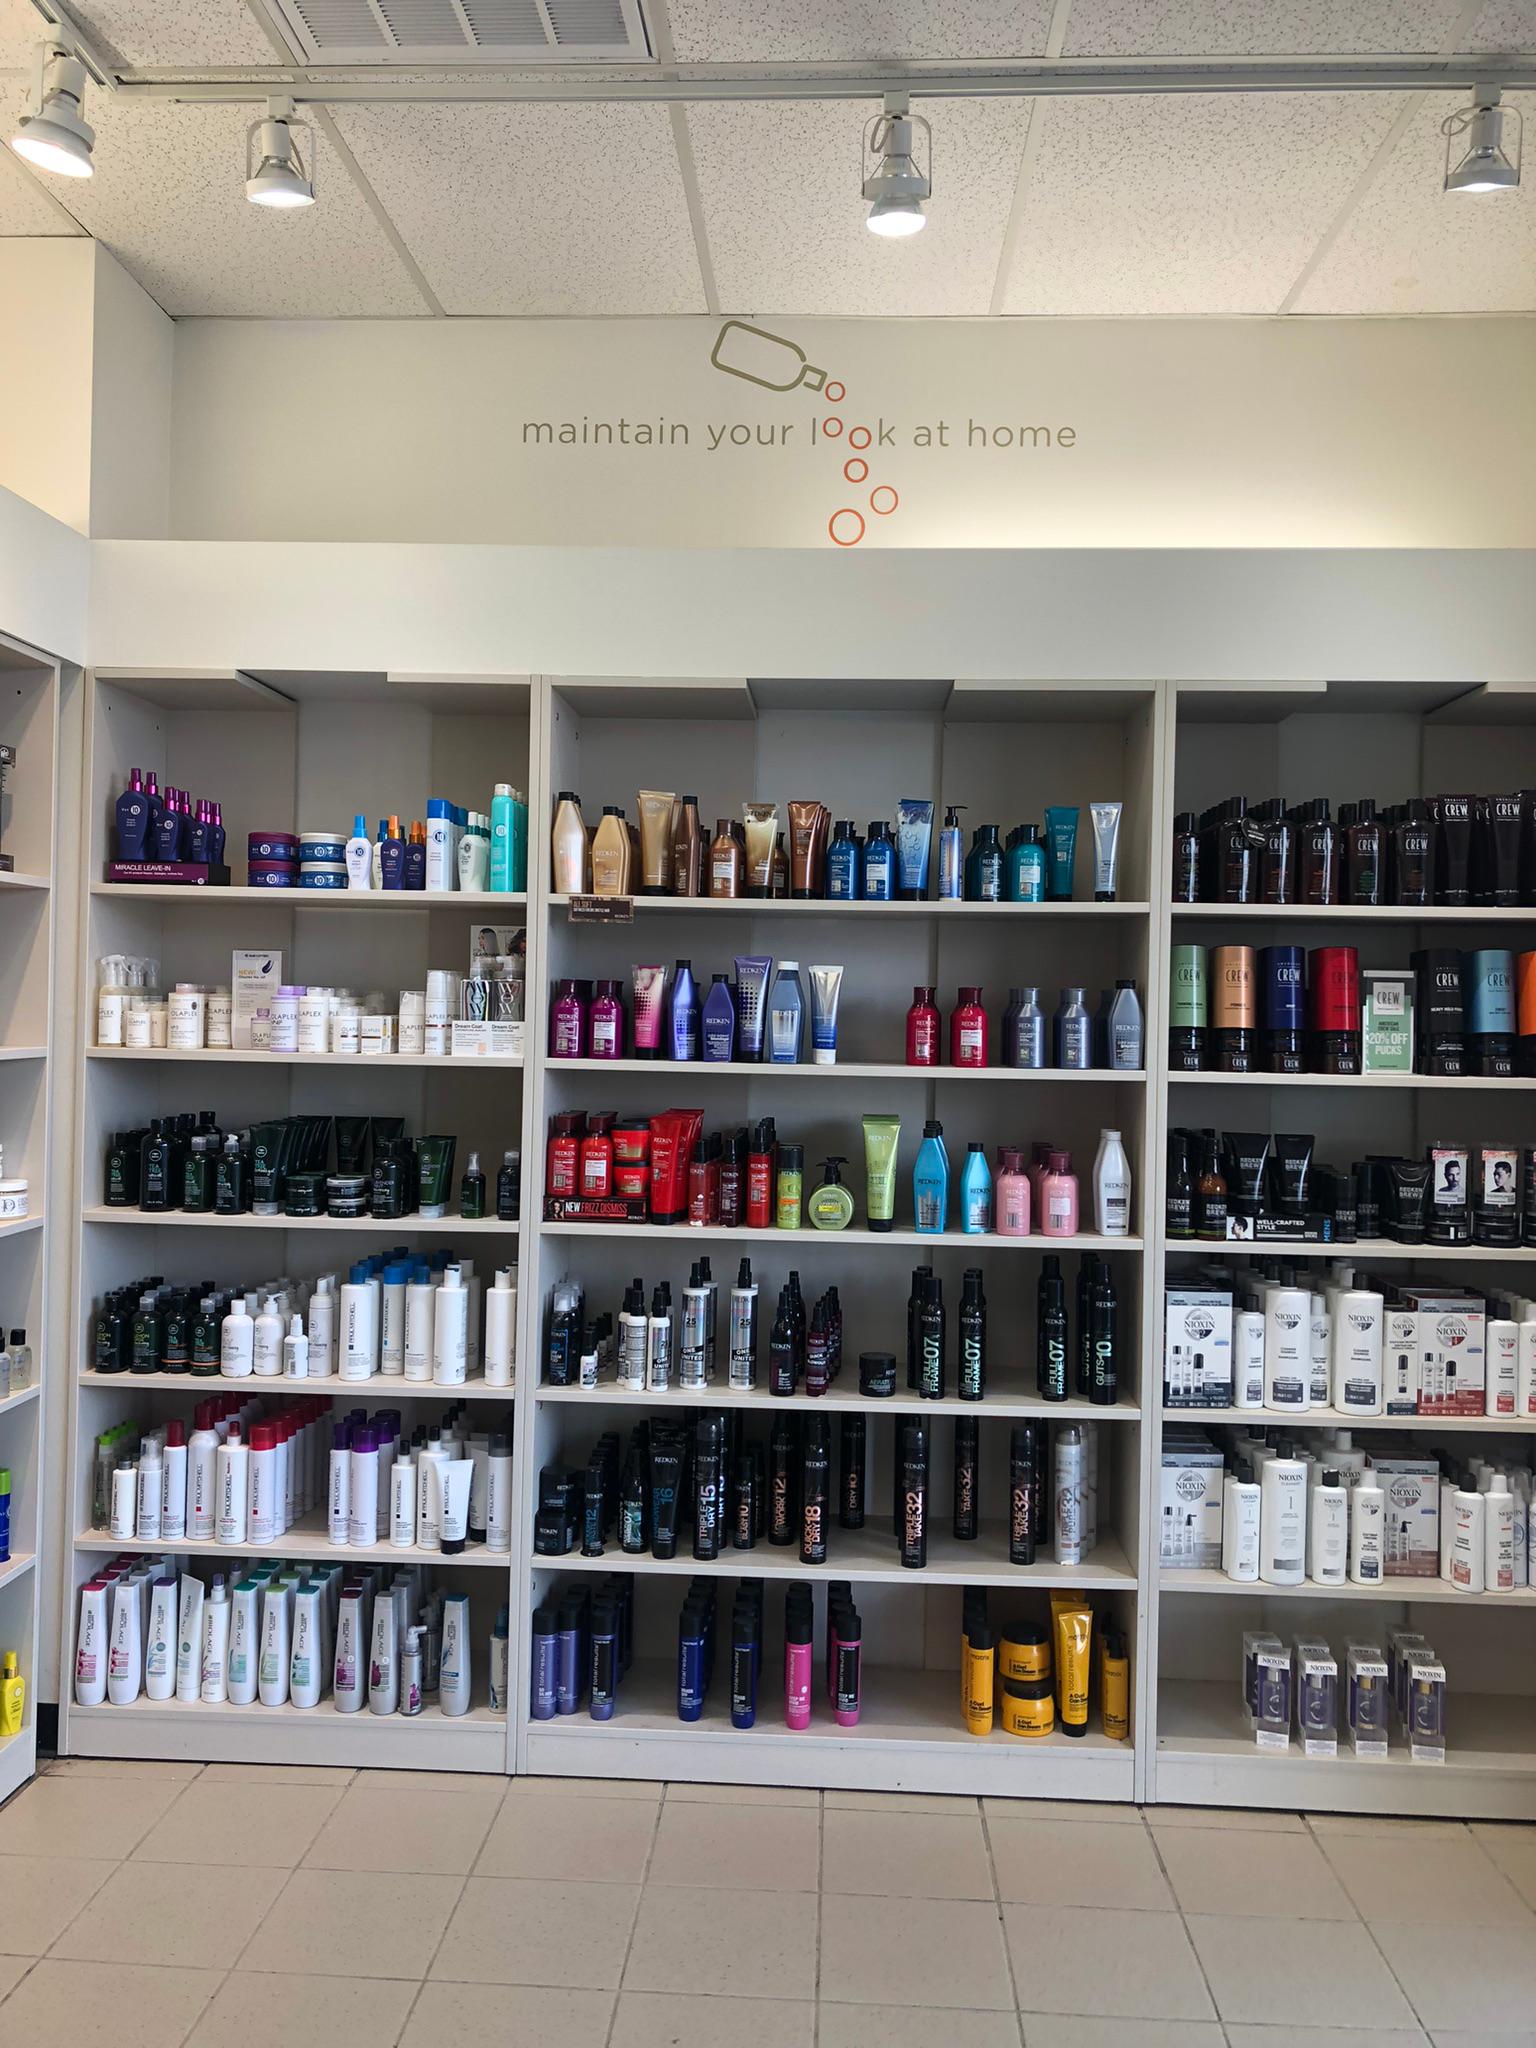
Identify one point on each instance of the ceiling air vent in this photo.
(438, 32)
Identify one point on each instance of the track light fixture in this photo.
(1484, 162)
(274, 170)
(52, 133)
(897, 186)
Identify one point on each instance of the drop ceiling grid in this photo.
(146, 32)
(1258, 28)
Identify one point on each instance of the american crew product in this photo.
(1234, 848)
(1488, 996)
(1233, 1008)
(1333, 1003)
(1449, 1215)
(1317, 865)
(1453, 849)
(1363, 862)
(1495, 1171)
(1279, 972)
(1186, 859)
(1187, 1009)
(1276, 882)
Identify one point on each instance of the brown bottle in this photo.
(727, 861)
(1233, 1008)
(1210, 1193)
(687, 850)
(1235, 850)
(780, 883)
(1277, 852)
(1318, 853)
(1363, 854)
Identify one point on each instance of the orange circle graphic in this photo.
(835, 392)
(856, 470)
(853, 437)
(846, 539)
(883, 491)
(831, 426)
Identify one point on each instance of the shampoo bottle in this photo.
(976, 1192)
(359, 855)
(930, 1180)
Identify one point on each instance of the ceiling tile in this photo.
(794, 241)
(1145, 207)
(25, 208)
(168, 199)
(1257, 28)
(833, 31)
(529, 209)
(1505, 25)
(176, 32)
(22, 28)
(1410, 247)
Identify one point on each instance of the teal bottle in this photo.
(930, 1181)
(1026, 866)
(976, 1192)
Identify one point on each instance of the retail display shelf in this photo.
(789, 906)
(909, 1716)
(1206, 1756)
(225, 1733)
(205, 1384)
(928, 1240)
(16, 1566)
(1396, 1592)
(1467, 1084)
(25, 1399)
(1002, 1401)
(400, 1226)
(1362, 913)
(1337, 1418)
(847, 1070)
(870, 1554)
(17, 880)
(1362, 1251)
(307, 1539)
(368, 1063)
(329, 900)
(20, 1226)
(23, 1052)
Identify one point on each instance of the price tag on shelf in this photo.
(601, 910)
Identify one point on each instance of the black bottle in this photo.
(147, 1335)
(155, 1167)
(176, 1334)
(1363, 855)
(1210, 1194)
(1087, 1273)
(912, 1465)
(1317, 867)
(508, 1178)
(984, 867)
(1103, 1318)
(112, 1349)
(920, 1277)
(815, 1468)
(1023, 1492)
(204, 1364)
(472, 1191)
(781, 1483)
(781, 1349)
(931, 1340)
(744, 1505)
(1235, 851)
(973, 1338)
(1051, 1331)
(967, 1522)
(1186, 859)
(1412, 840)
(1277, 851)
(1180, 1202)
(850, 1485)
(706, 1488)
(229, 1181)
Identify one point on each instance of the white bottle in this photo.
(160, 1655)
(384, 1657)
(359, 855)
(267, 1341)
(453, 1669)
(450, 1327)
(634, 1342)
(363, 1517)
(244, 1642)
(125, 1502)
(500, 1325)
(306, 1666)
(475, 855)
(232, 1488)
(1240, 1528)
(272, 1672)
(1448, 1485)
(433, 1456)
(1283, 1522)
(1525, 1396)
(357, 1330)
(475, 1288)
(1355, 1344)
(322, 1328)
(1067, 1489)
(350, 1665)
(402, 1505)
(498, 1495)
(1499, 1508)
(173, 1507)
(1367, 1529)
(1468, 1541)
(111, 1004)
(1501, 1385)
(1111, 1187)
(296, 1351)
(151, 1490)
(215, 1659)
(420, 1314)
(265, 1522)
(1248, 1359)
(1320, 1334)
(392, 1319)
(339, 1494)
(237, 1341)
(125, 1649)
(1287, 1350)
(1330, 1530)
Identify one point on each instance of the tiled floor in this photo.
(146, 1905)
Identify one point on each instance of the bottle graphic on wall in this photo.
(764, 359)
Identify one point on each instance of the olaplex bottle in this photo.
(1232, 1008)
(1187, 1011)
(1281, 981)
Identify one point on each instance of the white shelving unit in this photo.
(31, 693)
(285, 751)
(1390, 741)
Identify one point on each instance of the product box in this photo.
(1317, 1698)
(192, 874)
(1403, 1644)
(1387, 1041)
(1411, 1543)
(507, 1041)
(1272, 1718)
(1426, 1708)
(1400, 1361)
(1197, 1347)
(378, 1036)
(1451, 1331)
(470, 1041)
(1367, 1705)
(254, 979)
(1189, 1517)
(1254, 1640)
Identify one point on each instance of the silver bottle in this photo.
(1125, 1030)
(1073, 1031)
(1026, 1046)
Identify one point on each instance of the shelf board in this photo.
(306, 1539)
(1337, 1418)
(20, 1226)
(855, 1070)
(408, 1226)
(311, 899)
(931, 1240)
(431, 1741)
(1365, 1251)
(23, 1052)
(1395, 1592)
(1206, 1755)
(1467, 1083)
(372, 1062)
(910, 1717)
(843, 1400)
(24, 1399)
(1361, 913)
(870, 1554)
(789, 906)
(16, 1566)
(18, 880)
(195, 1383)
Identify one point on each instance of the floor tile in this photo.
(99, 1818)
(905, 1855)
(743, 1795)
(602, 1841)
(1513, 1850)
(647, 1789)
(42, 1895)
(1380, 1824)
(507, 2016)
(481, 1782)
(258, 1824)
(1307, 1973)
(508, 1930)
(1478, 1979)
(1116, 1965)
(119, 1767)
(12, 1970)
(278, 1774)
(1457, 2037)
(260, 2010)
(1258, 1821)
(950, 1953)
(1450, 1882)
(1330, 2037)
(404, 1827)
(329, 1923)
(762, 1848)
(105, 2005)
(1062, 1809)
(1229, 1870)
(900, 1802)
(649, 2019)
(899, 2026)
(746, 1944)
(1076, 1863)
(163, 1913)
(1062, 2030)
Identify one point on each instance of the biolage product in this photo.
(1061, 850)
(762, 825)
(1488, 995)
(1188, 1010)
(1333, 1001)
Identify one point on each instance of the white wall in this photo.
(131, 357)
(1303, 433)
(46, 289)
(44, 579)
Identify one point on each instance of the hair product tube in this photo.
(1074, 1642)
(1106, 850)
